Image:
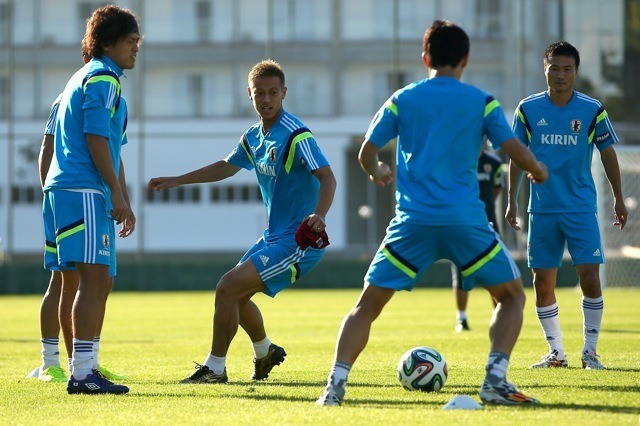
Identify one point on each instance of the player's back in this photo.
(441, 124)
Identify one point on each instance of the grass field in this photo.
(154, 337)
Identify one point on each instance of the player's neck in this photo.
(560, 98)
(446, 72)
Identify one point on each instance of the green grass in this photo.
(154, 337)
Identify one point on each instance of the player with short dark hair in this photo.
(84, 187)
(297, 187)
(562, 126)
(439, 124)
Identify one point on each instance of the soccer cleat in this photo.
(264, 365)
(504, 393)
(462, 326)
(34, 374)
(204, 374)
(590, 361)
(95, 383)
(550, 360)
(332, 396)
(110, 375)
(53, 374)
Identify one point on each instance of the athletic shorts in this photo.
(77, 228)
(409, 249)
(548, 233)
(280, 265)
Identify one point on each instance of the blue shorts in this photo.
(409, 249)
(548, 233)
(281, 265)
(77, 228)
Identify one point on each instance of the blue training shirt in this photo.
(563, 139)
(283, 160)
(440, 123)
(50, 127)
(90, 103)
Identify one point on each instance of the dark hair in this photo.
(445, 43)
(266, 68)
(562, 48)
(106, 26)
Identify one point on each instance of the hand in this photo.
(128, 226)
(159, 183)
(383, 176)
(120, 210)
(316, 222)
(620, 214)
(512, 216)
(539, 176)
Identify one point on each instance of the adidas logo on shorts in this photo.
(264, 260)
(597, 253)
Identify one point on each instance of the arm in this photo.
(325, 198)
(611, 167)
(379, 172)
(44, 158)
(215, 172)
(521, 159)
(129, 224)
(101, 156)
(515, 178)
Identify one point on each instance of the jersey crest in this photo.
(576, 125)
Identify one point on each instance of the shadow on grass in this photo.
(252, 391)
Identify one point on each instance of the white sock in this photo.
(496, 368)
(70, 365)
(261, 348)
(462, 315)
(550, 322)
(216, 363)
(592, 310)
(50, 352)
(82, 363)
(96, 350)
(339, 374)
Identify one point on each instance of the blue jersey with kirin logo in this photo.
(283, 159)
(563, 139)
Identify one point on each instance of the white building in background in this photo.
(188, 104)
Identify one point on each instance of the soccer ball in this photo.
(423, 369)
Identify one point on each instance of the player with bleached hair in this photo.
(297, 186)
(439, 124)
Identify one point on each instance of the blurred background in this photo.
(188, 106)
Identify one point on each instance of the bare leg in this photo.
(239, 284)
(49, 324)
(90, 299)
(356, 326)
(506, 320)
(70, 281)
(251, 321)
(461, 299)
(589, 277)
(544, 285)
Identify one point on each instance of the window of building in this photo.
(5, 16)
(488, 19)
(195, 93)
(26, 194)
(248, 193)
(4, 96)
(203, 20)
(183, 194)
